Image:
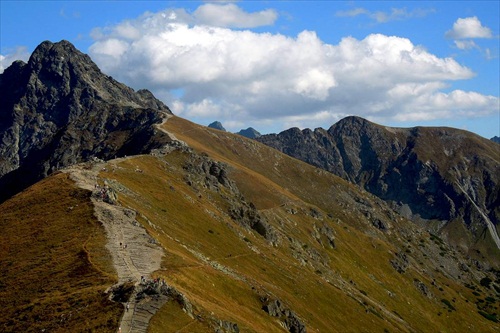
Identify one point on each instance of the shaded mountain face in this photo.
(445, 178)
(59, 109)
(495, 139)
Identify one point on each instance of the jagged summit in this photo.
(354, 121)
(59, 109)
(62, 63)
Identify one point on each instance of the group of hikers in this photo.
(103, 192)
(155, 282)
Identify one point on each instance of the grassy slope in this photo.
(221, 267)
(352, 287)
(53, 262)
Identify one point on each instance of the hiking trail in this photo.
(134, 253)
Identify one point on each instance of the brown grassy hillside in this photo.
(224, 268)
(54, 264)
(258, 228)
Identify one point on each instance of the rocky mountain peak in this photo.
(217, 125)
(61, 66)
(354, 126)
(48, 56)
(353, 121)
(60, 109)
(250, 132)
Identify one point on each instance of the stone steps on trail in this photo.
(133, 251)
(144, 310)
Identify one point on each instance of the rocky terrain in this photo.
(201, 230)
(445, 179)
(59, 109)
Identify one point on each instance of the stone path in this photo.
(134, 253)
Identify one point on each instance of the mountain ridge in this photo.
(424, 172)
(59, 109)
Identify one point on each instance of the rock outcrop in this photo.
(60, 109)
(275, 308)
(431, 175)
(205, 172)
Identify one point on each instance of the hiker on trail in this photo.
(127, 307)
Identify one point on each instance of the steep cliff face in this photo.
(433, 175)
(59, 109)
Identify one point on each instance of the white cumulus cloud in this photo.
(469, 27)
(260, 79)
(232, 16)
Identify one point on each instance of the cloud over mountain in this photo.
(259, 78)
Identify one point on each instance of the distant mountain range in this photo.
(250, 132)
(118, 215)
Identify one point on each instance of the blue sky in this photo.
(273, 65)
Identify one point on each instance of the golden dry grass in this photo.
(356, 290)
(220, 266)
(54, 264)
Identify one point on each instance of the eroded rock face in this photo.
(427, 174)
(275, 308)
(205, 172)
(59, 109)
(400, 262)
